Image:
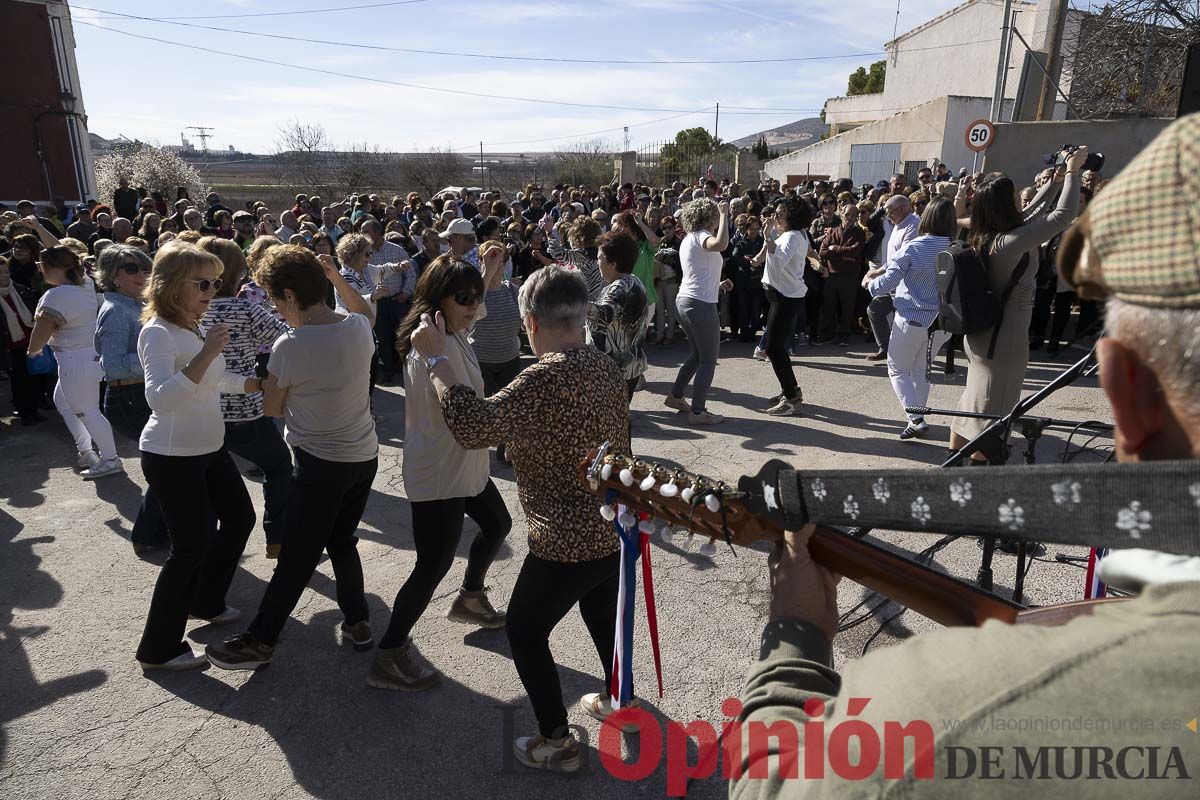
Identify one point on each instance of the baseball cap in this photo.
(458, 226)
(1139, 240)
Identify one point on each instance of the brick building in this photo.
(44, 150)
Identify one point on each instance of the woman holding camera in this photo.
(1005, 239)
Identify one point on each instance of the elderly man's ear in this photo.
(1148, 429)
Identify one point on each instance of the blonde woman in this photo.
(184, 457)
(696, 304)
(65, 319)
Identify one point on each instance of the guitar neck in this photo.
(941, 597)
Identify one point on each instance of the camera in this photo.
(1094, 162)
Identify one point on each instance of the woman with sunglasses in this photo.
(66, 320)
(123, 272)
(184, 457)
(443, 480)
(248, 433)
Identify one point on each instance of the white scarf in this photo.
(15, 320)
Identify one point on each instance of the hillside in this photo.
(800, 133)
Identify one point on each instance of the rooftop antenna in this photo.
(203, 135)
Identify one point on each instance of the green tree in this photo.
(760, 148)
(863, 81)
(691, 153)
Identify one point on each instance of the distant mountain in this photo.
(792, 136)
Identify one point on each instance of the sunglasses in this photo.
(204, 284)
(467, 298)
(133, 268)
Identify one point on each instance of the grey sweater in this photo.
(1124, 677)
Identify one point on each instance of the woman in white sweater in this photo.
(184, 457)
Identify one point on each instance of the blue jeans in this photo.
(702, 325)
(259, 442)
(127, 412)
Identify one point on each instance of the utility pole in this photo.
(626, 138)
(482, 167)
(716, 124)
(203, 134)
(1056, 24)
(1002, 64)
(896, 24)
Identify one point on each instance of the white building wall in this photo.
(953, 54)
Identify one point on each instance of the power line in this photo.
(270, 13)
(491, 56)
(385, 81)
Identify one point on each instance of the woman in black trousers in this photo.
(184, 457)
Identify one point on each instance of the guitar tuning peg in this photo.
(708, 548)
(646, 526)
(712, 502)
(690, 536)
(627, 476)
(669, 489)
(647, 483)
(628, 520)
(608, 512)
(687, 494)
(606, 472)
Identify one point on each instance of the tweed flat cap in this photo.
(1140, 239)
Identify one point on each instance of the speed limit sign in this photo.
(980, 134)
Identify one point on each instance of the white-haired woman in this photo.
(571, 400)
(696, 304)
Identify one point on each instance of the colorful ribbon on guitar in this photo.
(635, 544)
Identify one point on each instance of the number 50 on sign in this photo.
(980, 134)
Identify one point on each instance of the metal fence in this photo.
(662, 163)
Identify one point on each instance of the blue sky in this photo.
(153, 91)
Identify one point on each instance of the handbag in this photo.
(43, 363)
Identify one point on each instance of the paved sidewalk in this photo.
(79, 720)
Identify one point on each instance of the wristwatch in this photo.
(432, 362)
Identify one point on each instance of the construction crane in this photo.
(203, 134)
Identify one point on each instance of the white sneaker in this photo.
(556, 755)
(761, 354)
(102, 469)
(705, 418)
(230, 614)
(599, 706)
(87, 459)
(183, 661)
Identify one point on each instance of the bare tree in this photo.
(302, 152)
(431, 170)
(1127, 57)
(588, 161)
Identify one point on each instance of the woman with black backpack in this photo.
(1004, 239)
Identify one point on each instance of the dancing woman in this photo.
(444, 480)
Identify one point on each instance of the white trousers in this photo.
(77, 398)
(906, 362)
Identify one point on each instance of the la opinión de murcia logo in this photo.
(852, 750)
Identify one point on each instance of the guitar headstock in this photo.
(681, 499)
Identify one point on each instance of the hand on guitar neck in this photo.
(754, 511)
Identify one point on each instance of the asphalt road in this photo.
(78, 719)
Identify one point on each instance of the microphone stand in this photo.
(993, 443)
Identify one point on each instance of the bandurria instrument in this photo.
(1156, 506)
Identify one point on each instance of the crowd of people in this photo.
(193, 328)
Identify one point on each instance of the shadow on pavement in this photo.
(27, 587)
